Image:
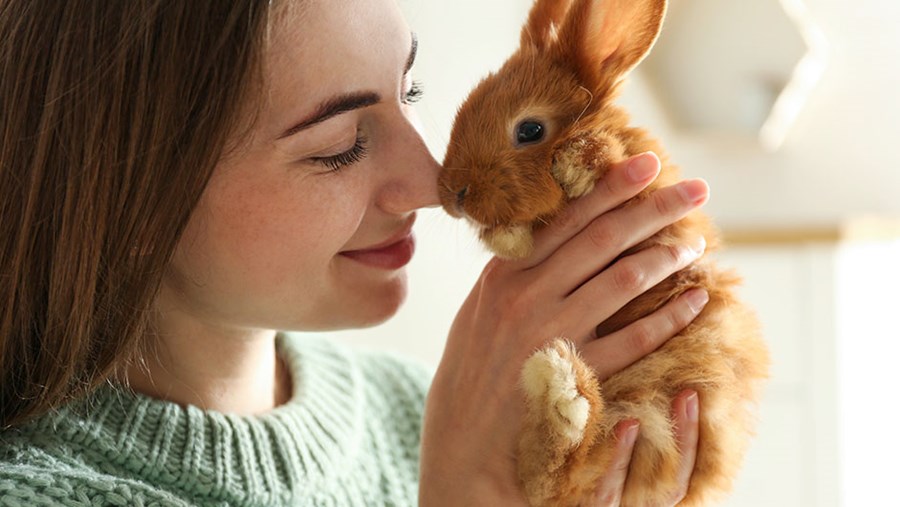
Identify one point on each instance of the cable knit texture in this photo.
(348, 436)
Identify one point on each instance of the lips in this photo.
(391, 254)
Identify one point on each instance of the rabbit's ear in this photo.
(544, 22)
(608, 38)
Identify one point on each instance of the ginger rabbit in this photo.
(536, 134)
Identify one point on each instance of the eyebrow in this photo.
(347, 101)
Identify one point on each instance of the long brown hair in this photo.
(112, 118)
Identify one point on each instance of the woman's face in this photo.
(290, 232)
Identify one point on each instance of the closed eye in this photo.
(349, 157)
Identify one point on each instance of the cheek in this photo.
(260, 236)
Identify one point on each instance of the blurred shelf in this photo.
(852, 230)
(736, 66)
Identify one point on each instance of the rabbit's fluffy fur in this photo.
(572, 58)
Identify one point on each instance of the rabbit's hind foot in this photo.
(551, 387)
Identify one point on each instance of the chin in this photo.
(380, 303)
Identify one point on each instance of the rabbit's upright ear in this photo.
(606, 39)
(543, 24)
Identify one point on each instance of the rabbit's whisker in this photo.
(591, 101)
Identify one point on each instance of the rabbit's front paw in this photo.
(580, 161)
(551, 387)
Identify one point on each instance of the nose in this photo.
(413, 181)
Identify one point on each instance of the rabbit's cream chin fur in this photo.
(509, 241)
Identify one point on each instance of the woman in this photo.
(181, 179)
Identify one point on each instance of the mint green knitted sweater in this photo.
(349, 436)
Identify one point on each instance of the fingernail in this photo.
(697, 300)
(692, 407)
(698, 245)
(642, 167)
(693, 191)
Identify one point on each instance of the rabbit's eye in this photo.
(529, 132)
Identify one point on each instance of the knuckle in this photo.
(629, 277)
(569, 220)
(607, 187)
(663, 206)
(683, 254)
(601, 234)
(679, 255)
(642, 338)
(679, 317)
(622, 464)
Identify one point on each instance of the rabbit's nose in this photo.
(461, 196)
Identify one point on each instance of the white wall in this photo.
(867, 353)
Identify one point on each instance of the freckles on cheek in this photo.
(253, 230)
(276, 231)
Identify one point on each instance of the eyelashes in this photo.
(358, 152)
(415, 93)
(351, 156)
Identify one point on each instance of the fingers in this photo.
(686, 411)
(617, 351)
(609, 491)
(606, 237)
(610, 290)
(622, 182)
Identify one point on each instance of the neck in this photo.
(213, 368)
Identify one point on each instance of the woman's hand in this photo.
(685, 412)
(565, 288)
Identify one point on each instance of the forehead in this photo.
(319, 48)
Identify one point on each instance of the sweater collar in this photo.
(263, 459)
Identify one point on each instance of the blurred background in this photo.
(789, 109)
